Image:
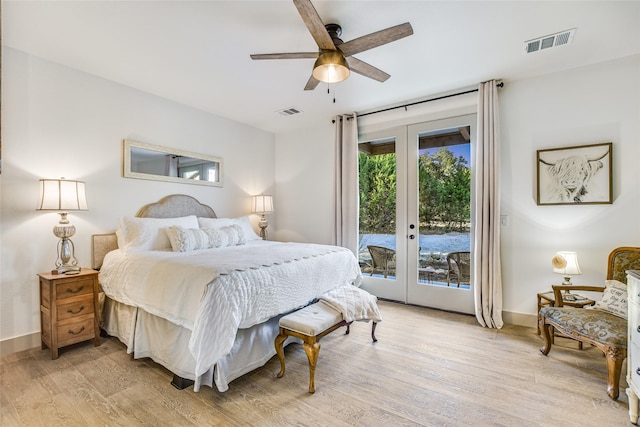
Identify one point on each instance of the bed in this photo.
(209, 315)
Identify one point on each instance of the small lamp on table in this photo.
(63, 195)
(566, 263)
(262, 205)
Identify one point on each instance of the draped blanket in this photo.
(215, 292)
(354, 303)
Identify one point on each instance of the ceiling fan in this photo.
(334, 59)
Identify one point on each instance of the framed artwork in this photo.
(575, 175)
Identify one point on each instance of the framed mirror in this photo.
(148, 161)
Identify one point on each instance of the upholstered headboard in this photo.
(173, 206)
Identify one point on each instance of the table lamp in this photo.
(63, 195)
(566, 263)
(261, 205)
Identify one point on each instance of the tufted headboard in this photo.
(173, 206)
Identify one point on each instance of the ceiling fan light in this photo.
(331, 67)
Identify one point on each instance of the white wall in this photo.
(599, 103)
(61, 122)
(305, 185)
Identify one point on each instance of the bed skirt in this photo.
(166, 343)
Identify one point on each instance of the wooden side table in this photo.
(69, 309)
(547, 299)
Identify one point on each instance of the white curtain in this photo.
(487, 277)
(346, 182)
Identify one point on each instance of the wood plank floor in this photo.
(429, 368)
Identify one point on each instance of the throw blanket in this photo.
(354, 303)
(215, 292)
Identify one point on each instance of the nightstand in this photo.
(68, 309)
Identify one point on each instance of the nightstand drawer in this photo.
(634, 364)
(75, 288)
(80, 307)
(76, 332)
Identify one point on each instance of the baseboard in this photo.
(24, 342)
(520, 319)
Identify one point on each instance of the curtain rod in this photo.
(501, 84)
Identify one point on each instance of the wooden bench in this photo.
(310, 324)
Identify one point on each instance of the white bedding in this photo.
(215, 292)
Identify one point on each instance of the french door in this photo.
(416, 207)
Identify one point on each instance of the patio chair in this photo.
(383, 260)
(459, 268)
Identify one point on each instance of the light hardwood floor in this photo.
(428, 368)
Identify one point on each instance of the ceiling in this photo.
(197, 53)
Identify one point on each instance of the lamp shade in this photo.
(566, 263)
(62, 195)
(262, 204)
(331, 67)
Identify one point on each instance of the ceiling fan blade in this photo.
(376, 39)
(314, 24)
(312, 83)
(295, 55)
(366, 70)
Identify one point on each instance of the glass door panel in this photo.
(380, 250)
(440, 210)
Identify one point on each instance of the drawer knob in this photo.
(638, 371)
(76, 291)
(82, 329)
(70, 311)
(638, 329)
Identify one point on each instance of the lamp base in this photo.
(66, 262)
(263, 224)
(567, 282)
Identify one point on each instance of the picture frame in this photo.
(575, 175)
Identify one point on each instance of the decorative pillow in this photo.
(148, 234)
(234, 235)
(614, 299)
(243, 222)
(187, 239)
(191, 239)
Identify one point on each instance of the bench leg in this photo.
(280, 351)
(312, 349)
(373, 331)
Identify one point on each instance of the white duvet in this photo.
(215, 292)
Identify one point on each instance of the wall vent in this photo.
(289, 111)
(552, 40)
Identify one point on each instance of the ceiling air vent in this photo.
(552, 40)
(289, 111)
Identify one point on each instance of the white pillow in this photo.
(235, 235)
(614, 299)
(191, 239)
(243, 222)
(187, 239)
(148, 234)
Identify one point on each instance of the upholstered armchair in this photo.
(598, 327)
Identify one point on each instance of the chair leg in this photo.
(546, 334)
(280, 352)
(312, 350)
(615, 357)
